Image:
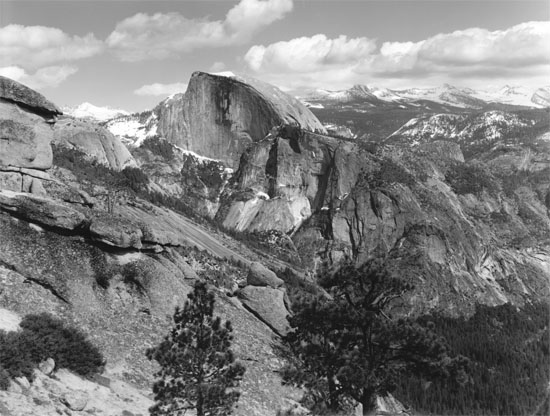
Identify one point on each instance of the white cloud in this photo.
(161, 89)
(217, 67)
(472, 55)
(50, 76)
(163, 35)
(33, 47)
(306, 54)
(524, 44)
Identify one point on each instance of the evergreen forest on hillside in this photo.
(509, 349)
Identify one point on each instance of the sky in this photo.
(132, 54)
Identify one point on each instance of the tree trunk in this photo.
(368, 402)
(200, 402)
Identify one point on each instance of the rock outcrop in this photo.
(65, 392)
(24, 96)
(94, 141)
(419, 208)
(25, 135)
(285, 178)
(220, 116)
(268, 305)
(259, 275)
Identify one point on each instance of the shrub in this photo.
(4, 378)
(136, 179)
(465, 178)
(67, 345)
(17, 354)
(88, 170)
(159, 147)
(389, 172)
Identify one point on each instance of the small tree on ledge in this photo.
(198, 369)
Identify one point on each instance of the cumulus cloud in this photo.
(520, 51)
(157, 89)
(523, 44)
(50, 76)
(163, 35)
(309, 53)
(33, 47)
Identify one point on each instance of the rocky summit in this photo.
(238, 184)
(219, 116)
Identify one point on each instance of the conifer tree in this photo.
(350, 343)
(198, 369)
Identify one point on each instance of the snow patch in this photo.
(200, 159)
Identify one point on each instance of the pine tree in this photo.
(351, 343)
(198, 369)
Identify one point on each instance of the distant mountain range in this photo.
(365, 97)
(90, 111)
(373, 96)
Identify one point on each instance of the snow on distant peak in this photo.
(228, 74)
(90, 111)
(131, 130)
(513, 95)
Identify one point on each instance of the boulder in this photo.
(268, 305)
(14, 388)
(20, 94)
(76, 400)
(164, 286)
(259, 275)
(23, 382)
(41, 210)
(47, 366)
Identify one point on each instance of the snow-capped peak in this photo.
(228, 74)
(90, 111)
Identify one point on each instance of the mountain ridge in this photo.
(445, 94)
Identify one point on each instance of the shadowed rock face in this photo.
(219, 117)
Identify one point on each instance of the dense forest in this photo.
(509, 375)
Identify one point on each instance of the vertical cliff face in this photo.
(220, 116)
